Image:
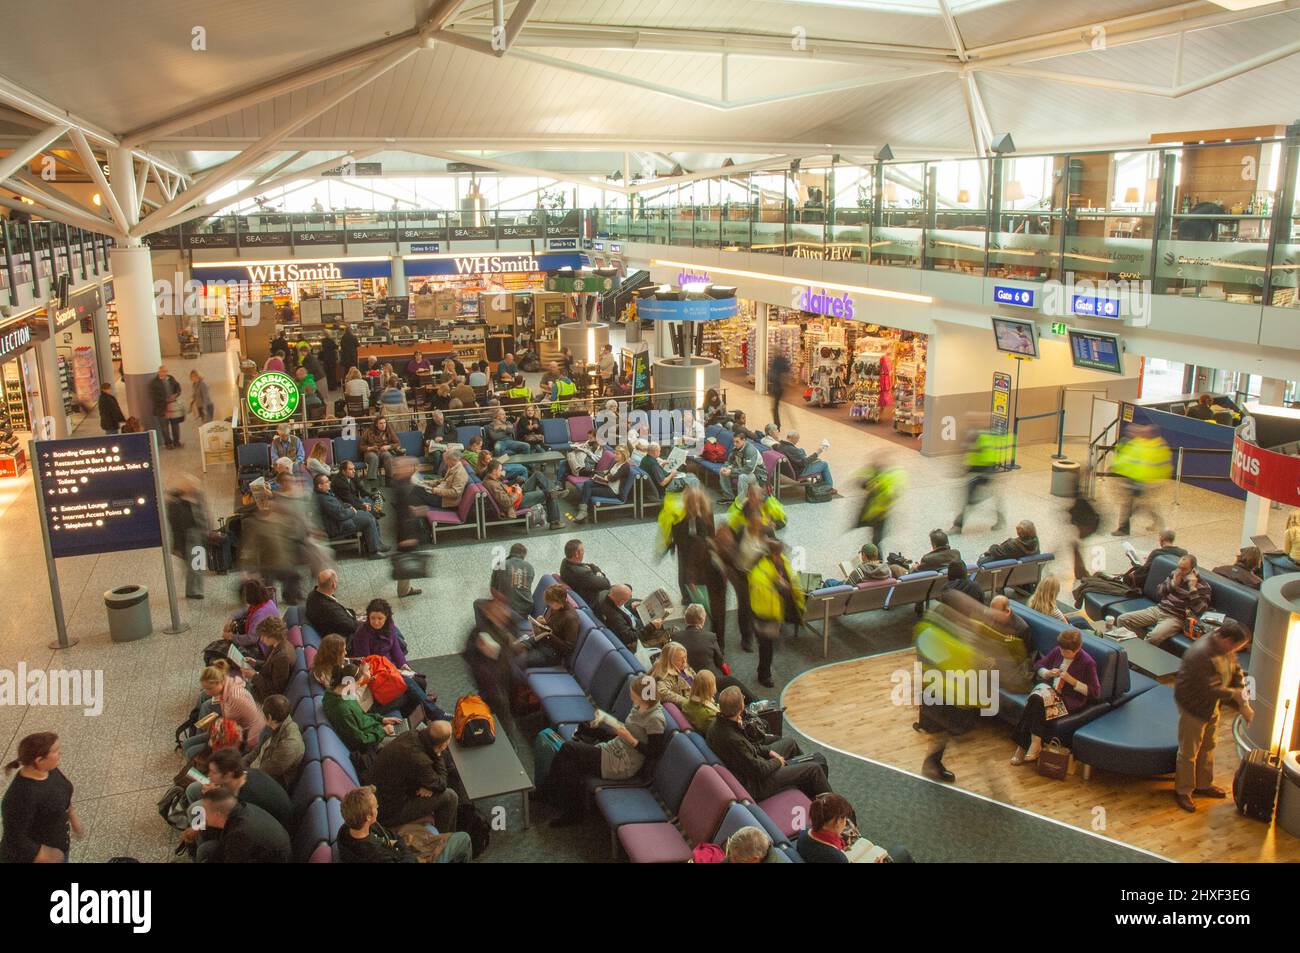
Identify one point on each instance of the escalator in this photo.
(612, 304)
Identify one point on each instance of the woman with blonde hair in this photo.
(230, 698)
(1044, 598)
(331, 654)
(702, 705)
(317, 462)
(1289, 559)
(673, 675)
(606, 484)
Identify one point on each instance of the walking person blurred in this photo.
(776, 375)
(775, 599)
(1143, 460)
(410, 522)
(985, 451)
(201, 398)
(882, 485)
(686, 526)
(187, 519)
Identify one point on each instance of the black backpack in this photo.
(819, 493)
(471, 820)
(187, 727)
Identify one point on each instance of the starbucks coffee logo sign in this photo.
(273, 397)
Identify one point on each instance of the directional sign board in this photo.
(99, 494)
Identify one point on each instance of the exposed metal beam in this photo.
(711, 102)
(70, 213)
(772, 162)
(1120, 31)
(88, 159)
(54, 197)
(555, 143)
(30, 149)
(516, 169)
(254, 153)
(261, 187)
(163, 187)
(1169, 92)
(950, 22)
(977, 101)
(293, 157)
(141, 180)
(523, 9)
(101, 226)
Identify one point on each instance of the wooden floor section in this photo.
(847, 705)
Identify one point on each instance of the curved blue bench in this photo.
(1138, 738)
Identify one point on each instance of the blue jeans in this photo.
(515, 471)
(365, 523)
(459, 850)
(1278, 565)
(593, 490)
(819, 468)
(511, 446)
(736, 484)
(414, 697)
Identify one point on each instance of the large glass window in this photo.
(1162, 379)
(955, 238)
(1223, 198)
(896, 239)
(1025, 243)
(1108, 222)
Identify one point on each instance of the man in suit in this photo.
(586, 579)
(326, 614)
(617, 610)
(762, 769)
(702, 651)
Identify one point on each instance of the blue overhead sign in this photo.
(1016, 297)
(1094, 306)
(710, 309)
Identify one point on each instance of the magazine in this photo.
(675, 459)
(236, 656)
(1053, 707)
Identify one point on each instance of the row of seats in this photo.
(689, 797)
(327, 772)
(1226, 595)
(774, 462)
(832, 602)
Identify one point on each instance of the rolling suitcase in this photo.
(1254, 786)
(545, 745)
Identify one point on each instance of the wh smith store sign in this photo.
(256, 272)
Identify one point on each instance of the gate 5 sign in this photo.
(273, 397)
(99, 494)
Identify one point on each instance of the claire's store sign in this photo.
(685, 278)
(822, 302)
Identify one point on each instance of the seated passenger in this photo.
(871, 567)
(585, 579)
(618, 758)
(245, 834)
(673, 676)
(1183, 594)
(1069, 681)
(251, 786)
(228, 697)
(749, 845)
(361, 840)
(357, 728)
(762, 769)
(618, 611)
(960, 580)
(259, 603)
(378, 635)
(703, 652)
(804, 464)
(271, 675)
(1024, 543)
(1245, 569)
(280, 751)
(1000, 617)
(1044, 599)
(702, 706)
(412, 778)
(554, 644)
(823, 841)
(940, 556)
(1203, 408)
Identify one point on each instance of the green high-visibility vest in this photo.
(988, 450)
(1143, 460)
(563, 389)
(520, 393)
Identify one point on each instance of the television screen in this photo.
(1016, 337)
(1096, 350)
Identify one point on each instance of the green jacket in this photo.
(356, 727)
(765, 598)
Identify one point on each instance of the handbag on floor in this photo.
(410, 564)
(421, 841)
(1054, 760)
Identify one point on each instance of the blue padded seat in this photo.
(1139, 738)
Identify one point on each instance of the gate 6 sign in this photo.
(273, 397)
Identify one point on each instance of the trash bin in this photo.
(1288, 802)
(128, 613)
(1065, 478)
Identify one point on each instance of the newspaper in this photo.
(657, 605)
(675, 459)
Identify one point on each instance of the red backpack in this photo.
(714, 452)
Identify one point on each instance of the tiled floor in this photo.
(121, 761)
